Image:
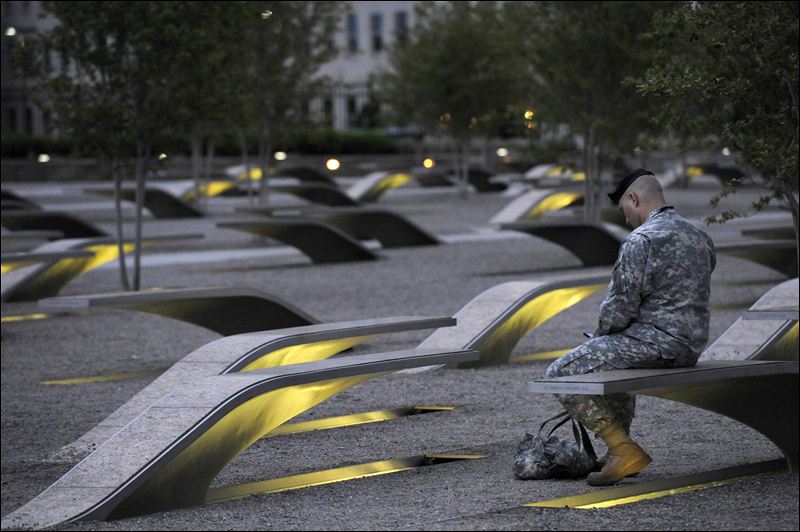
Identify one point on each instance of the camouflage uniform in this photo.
(655, 314)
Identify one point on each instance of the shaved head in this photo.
(647, 188)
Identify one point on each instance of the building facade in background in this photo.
(365, 32)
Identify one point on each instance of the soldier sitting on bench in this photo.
(655, 315)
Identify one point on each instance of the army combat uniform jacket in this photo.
(660, 287)
(655, 314)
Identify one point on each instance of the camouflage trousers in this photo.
(605, 353)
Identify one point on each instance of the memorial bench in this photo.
(750, 373)
(246, 352)
(160, 203)
(46, 279)
(598, 244)
(389, 228)
(321, 242)
(226, 311)
(762, 394)
(69, 225)
(168, 456)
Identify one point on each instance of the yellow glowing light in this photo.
(353, 419)
(694, 171)
(43, 158)
(302, 353)
(496, 347)
(339, 474)
(529, 114)
(387, 183)
(544, 355)
(445, 117)
(556, 171)
(108, 378)
(24, 317)
(11, 266)
(579, 176)
(211, 189)
(473, 121)
(726, 151)
(162, 156)
(255, 174)
(189, 474)
(785, 348)
(554, 202)
(428, 163)
(280, 156)
(332, 164)
(502, 152)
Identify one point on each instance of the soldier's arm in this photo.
(624, 296)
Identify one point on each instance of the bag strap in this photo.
(565, 414)
(584, 438)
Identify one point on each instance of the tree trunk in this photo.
(142, 157)
(264, 153)
(795, 219)
(197, 155)
(246, 163)
(123, 269)
(207, 172)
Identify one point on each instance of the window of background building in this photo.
(11, 119)
(352, 112)
(327, 105)
(376, 27)
(352, 32)
(401, 27)
(28, 120)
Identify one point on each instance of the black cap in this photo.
(626, 182)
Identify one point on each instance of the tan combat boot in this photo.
(626, 457)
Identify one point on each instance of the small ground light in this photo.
(428, 163)
(162, 156)
(502, 152)
(332, 164)
(280, 156)
(11, 31)
(43, 158)
(726, 152)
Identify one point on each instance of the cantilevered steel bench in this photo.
(390, 228)
(224, 310)
(168, 456)
(534, 204)
(246, 352)
(497, 319)
(18, 241)
(69, 225)
(321, 242)
(598, 244)
(160, 203)
(374, 185)
(750, 374)
(46, 279)
(593, 244)
(760, 394)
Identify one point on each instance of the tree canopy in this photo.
(727, 72)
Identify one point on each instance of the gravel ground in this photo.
(493, 409)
